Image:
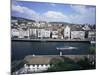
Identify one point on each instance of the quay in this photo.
(51, 40)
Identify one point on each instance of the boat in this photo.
(66, 48)
(93, 42)
(33, 55)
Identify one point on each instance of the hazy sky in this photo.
(54, 12)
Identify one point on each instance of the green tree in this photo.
(92, 50)
(66, 65)
(86, 64)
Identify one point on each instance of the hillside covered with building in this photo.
(31, 29)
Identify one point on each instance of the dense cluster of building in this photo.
(22, 28)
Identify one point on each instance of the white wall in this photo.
(33, 32)
(47, 33)
(36, 68)
(14, 32)
(67, 32)
(77, 34)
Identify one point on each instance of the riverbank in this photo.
(52, 40)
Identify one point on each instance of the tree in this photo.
(86, 64)
(92, 50)
(66, 65)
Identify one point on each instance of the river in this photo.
(19, 49)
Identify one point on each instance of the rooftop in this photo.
(41, 59)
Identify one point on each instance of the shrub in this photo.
(86, 64)
(66, 65)
(92, 50)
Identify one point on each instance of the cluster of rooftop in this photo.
(24, 28)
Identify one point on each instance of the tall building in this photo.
(33, 33)
(40, 33)
(67, 32)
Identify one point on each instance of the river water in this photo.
(19, 49)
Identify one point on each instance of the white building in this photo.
(86, 27)
(42, 24)
(54, 34)
(36, 24)
(30, 23)
(15, 33)
(43, 33)
(33, 33)
(49, 25)
(47, 33)
(26, 33)
(40, 33)
(67, 32)
(92, 35)
(14, 21)
(36, 67)
(77, 34)
(23, 33)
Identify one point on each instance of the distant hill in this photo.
(19, 18)
(59, 23)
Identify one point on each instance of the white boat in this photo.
(65, 48)
(33, 55)
(93, 42)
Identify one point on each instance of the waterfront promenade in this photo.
(73, 57)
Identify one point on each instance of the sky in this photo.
(54, 12)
